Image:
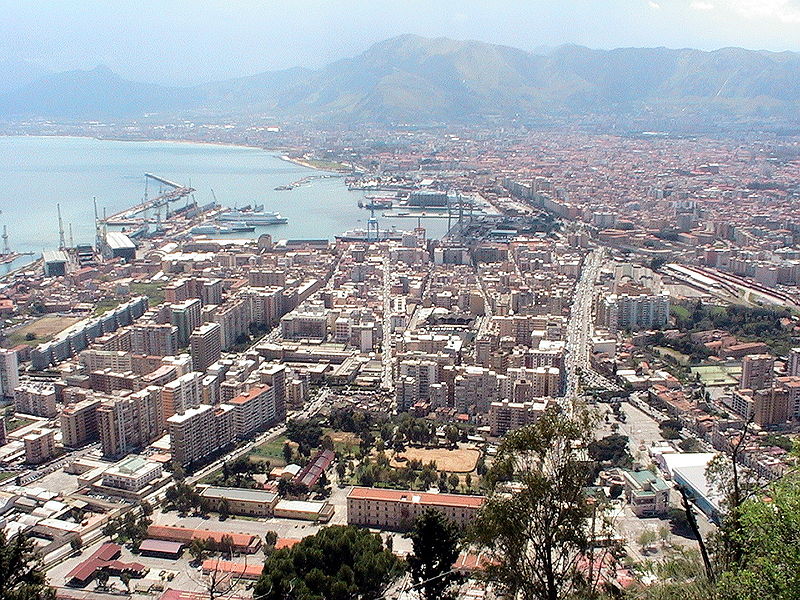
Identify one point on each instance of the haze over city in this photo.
(400, 300)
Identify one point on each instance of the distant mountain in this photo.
(15, 74)
(418, 80)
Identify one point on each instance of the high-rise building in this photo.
(205, 343)
(757, 372)
(40, 445)
(186, 317)
(644, 311)
(198, 432)
(35, 398)
(9, 372)
(154, 339)
(183, 393)
(793, 366)
(127, 423)
(79, 422)
(254, 411)
(505, 416)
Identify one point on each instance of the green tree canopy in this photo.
(21, 573)
(435, 542)
(338, 563)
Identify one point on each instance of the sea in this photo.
(39, 173)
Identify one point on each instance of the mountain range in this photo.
(416, 80)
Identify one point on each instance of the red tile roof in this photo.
(424, 498)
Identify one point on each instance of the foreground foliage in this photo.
(338, 563)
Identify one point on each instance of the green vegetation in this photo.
(536, 537)
(611, 450)
(105, 305)
(22, 575)
(338, 563)
(271, 451)
(748, 324)
(153, 290)
(13, 423)
(435, 543)
(128, 529)
(6, 475)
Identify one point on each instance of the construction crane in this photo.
(6, 247)
(62, 244)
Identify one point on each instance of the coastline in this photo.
(278, 153)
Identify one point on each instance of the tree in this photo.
(769, 538)
(341, 469)
(536, 537)
(612, 449)
(224, 509)
(125, 577)
(435, 542)
(198, 549)
(453, 481)
(270, 539)
(338, 563)
(287, 452)
(102, 576)
(22, 575)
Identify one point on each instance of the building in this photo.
(55, 263)
(79, 422)
(185, 392)
(254, 503)
(40, 446)
(793, 366)
(645, 311)
(647, 494)
(119, 245)
(254, 410)
(132, 474)
(200, 432)
(9, 372)
(205, 344)
(186, 317)
(310, 323)
(130, 422)
(154, 339)
(757, 372)
(398, 509)
(242, 542)
(36, 398)
(505, 415)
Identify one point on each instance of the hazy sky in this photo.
(188, 41)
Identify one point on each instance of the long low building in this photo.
(240, 501)
(398, 509)
(242, 542)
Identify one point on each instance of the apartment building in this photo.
(622, 312)
(398, 509)
(185, 392)
(200, 431)
(9, 372)
(128, 422)
(757, 372)
(205, 344)
(506, 415)
(185, 316)
(254, 410)
(79, 424)
(36, 398)
(40, 445)
(154, 339)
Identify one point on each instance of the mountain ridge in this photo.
(412, 79)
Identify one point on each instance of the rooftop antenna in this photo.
(61, 242)
(6, 248)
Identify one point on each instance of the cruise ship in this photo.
(252, 218)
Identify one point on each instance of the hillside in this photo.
(419, 80)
